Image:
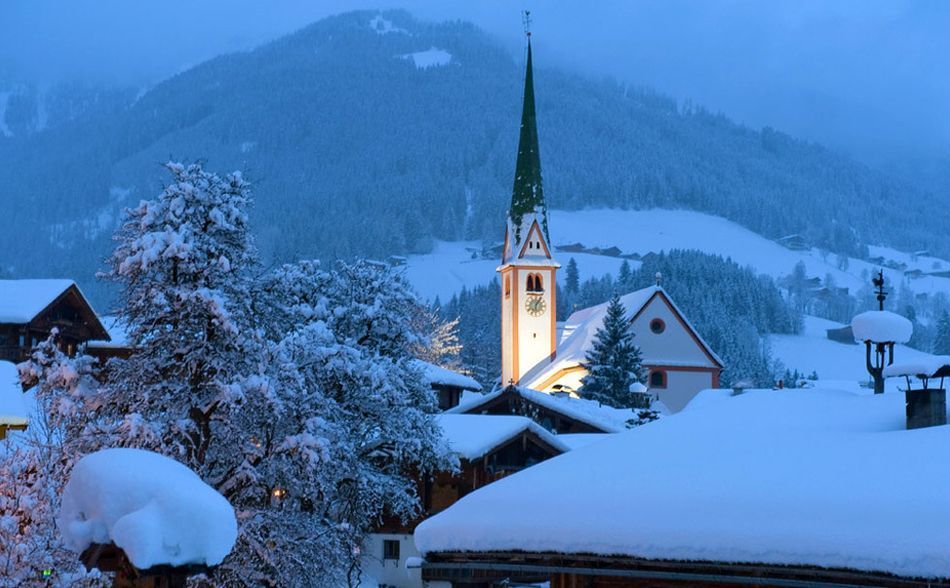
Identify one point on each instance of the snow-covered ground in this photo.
(432, 57)
(450, 266)
(818, 477)
(813, 351)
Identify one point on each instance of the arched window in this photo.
(507, 287)
(658, 379)
(535, 284)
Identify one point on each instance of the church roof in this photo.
(581, 328)
(527, 196)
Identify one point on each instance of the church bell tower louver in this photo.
(528, 270)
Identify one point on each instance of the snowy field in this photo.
(813, 351)
(450, 266)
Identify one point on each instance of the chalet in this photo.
(678, 361)
(794, 242)
(117, 345)
(488, 448)
(31, 309)
(841, 334)
(561, 413)
(764, 488)
(447, 384)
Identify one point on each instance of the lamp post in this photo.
(880, 330)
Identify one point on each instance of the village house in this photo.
(31, 309)
(488, 448)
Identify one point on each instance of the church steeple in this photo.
(527, 196)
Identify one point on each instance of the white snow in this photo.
(14, 403)
(813, 351)
(816, 477)
(22, 300)
(923, 366)
(881, 326)
(595, 414)
(472, 436)
(118, 334)
(383, 27)
(449, 266)
(432, 57)
(435, 374)
(578, 440)
(152, 507)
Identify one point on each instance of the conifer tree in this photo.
(614, 362)
(573, 277)
(625, 277)
(941, 345)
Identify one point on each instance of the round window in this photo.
(657, 326)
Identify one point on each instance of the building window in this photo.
(535, 284)
(390, 549)
(657, 326)
(507, 287)
(658, 379)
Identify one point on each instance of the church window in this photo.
(507, 287)
(657, 326)
(658, 379)
(535, 284)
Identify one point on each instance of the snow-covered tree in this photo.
(344, 377)
(614, 362)
(35, 465)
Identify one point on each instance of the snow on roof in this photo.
(118, 334)
(472, 436)
(583, 326)
(22, 300)
(152, 507)
(14, 404)
(881, 326)
(927, 367)
(595, 414)
(816, 477)
(578, 440)
(435, 374)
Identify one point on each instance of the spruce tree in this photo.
(573, 277)
(941, 345)
(625, 277)
(614, 362)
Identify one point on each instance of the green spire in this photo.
(527, 196)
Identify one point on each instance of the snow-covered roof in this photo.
(22, 300)
(578, 440)
(815, 477)
(472, 436)
(14, 404)
(583, 325)
(927, 367)
(881, 326)
(435, 374)
(600, 416)
(118, 334)
(152, 507)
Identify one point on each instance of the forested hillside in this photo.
(357, 147)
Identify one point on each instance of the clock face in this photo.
(535, 305)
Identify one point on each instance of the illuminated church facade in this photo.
(540, 353)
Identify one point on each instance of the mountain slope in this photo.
(372, 134)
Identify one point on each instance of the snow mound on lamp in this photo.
(881, 326)
(152, 507)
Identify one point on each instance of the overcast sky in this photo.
(869, 77)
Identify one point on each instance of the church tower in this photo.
(528, 271)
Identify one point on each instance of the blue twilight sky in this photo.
(868, 77)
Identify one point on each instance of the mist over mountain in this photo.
(370, 134)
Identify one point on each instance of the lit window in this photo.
(658, 379)
(390, 549)
(657, 326)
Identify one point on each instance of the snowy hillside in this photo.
(812, 351)
(450, 266)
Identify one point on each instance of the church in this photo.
(540, 353)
